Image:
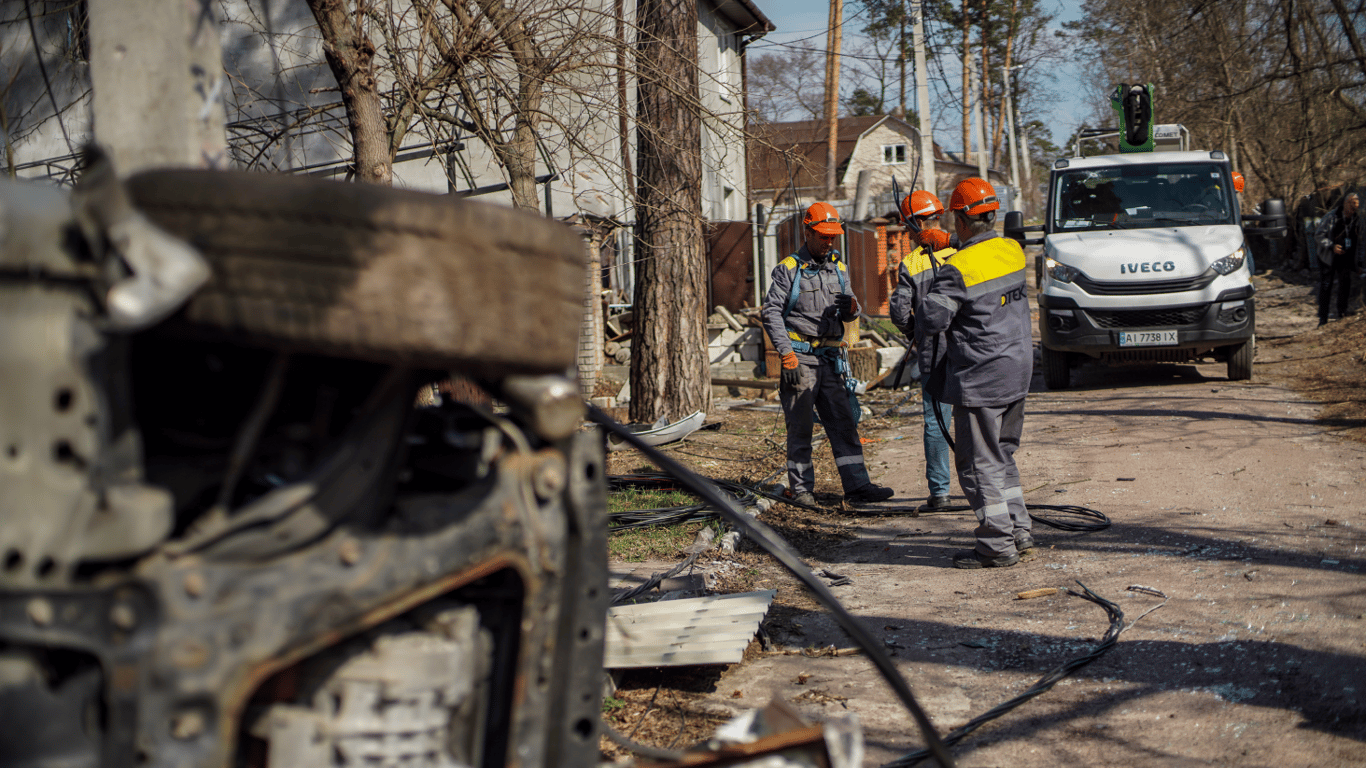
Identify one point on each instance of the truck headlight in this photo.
(1059, 271)
(1229, 264)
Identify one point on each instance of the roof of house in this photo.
(795, 152)
(745, 15)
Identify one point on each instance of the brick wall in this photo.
(591, 331)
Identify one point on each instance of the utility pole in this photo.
(1010, 137)
(977, 118)
(922, 90)
(156, 71)
(832, 94)
(901, 55)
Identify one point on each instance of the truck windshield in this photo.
(1142, 196)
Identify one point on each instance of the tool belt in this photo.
(808, 344)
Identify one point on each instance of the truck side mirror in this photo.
(1271, 220)
(1015, 229)
(1014, 225)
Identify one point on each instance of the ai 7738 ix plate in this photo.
(1146, 338)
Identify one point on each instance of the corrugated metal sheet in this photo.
(701, 630)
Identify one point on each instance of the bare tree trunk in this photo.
(966, 89)
(351, 57)
(518, 156)
(1002, 119)
(670, 373)
(623, 116)
(901, 56)
(984, 81)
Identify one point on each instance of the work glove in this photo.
(847, 306)
(792, 374)
(934, 239)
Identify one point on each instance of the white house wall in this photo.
(275, 69)
(868, 154)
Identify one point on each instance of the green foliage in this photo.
(654, 542)
(661, 542)
(864, 102)
(630, 499)
(611, 704)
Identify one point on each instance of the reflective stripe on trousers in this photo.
(822, 391)
(985, 441)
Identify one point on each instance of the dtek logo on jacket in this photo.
(1014, 294)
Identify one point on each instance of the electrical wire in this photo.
(1090, 520)
(1043, 684)
(683, 513)
(770, 541)
(47, 82)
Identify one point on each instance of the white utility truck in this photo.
(1144, 260)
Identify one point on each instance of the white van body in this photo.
(1144, 261)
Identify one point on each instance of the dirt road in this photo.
(1230, 498)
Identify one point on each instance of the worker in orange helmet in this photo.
(1238, 182)
(977, 300)
(804, 313)
(922, 210)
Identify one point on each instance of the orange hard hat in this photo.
(1238, 182)
(823, 218)
(921, 203)
(974, 196)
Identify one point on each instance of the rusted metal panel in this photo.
(730, 254)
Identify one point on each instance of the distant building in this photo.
(787, 163)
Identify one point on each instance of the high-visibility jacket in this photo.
(978, 300)
(813, 314)
(912, 283)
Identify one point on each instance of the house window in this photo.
(893, 154)
(725, 59)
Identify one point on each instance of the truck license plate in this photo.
(1146, 338)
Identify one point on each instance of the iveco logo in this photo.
(1147, 266)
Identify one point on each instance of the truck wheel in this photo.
(373, 273)
(1240, 360)
(1057, 370)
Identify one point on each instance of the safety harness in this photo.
(835, 351)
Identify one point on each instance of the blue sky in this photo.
(802, 19)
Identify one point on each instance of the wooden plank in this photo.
(745, 383)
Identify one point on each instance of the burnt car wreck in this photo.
(231, 538)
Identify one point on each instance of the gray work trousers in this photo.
(821, 389)
(984, 453)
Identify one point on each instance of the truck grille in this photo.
(1104, 288)
(1146, 318)
(1154, 355)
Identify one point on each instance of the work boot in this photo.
(869, 493)
(1024, 544)
(936, 503)
(971, 558)
(804, 498)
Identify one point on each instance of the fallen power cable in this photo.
(770, 541)
(683, 513)
(1044, 683)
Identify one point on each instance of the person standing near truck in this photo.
(978, 301)
(804, 313)
(1340, 242)
(913, 281)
